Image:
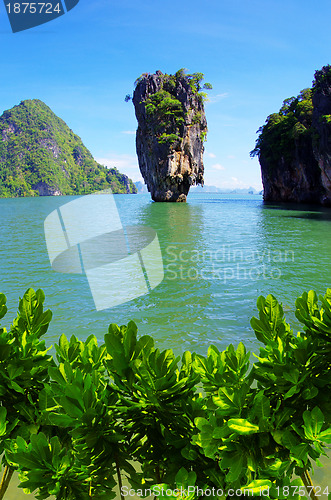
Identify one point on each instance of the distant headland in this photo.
(41, 156)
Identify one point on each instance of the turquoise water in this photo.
(220, 252)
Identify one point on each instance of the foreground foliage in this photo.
(74, 428)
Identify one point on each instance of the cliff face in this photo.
(171, 129)
(294, 146)
(295, 178)
(40, 155)
(322, 126)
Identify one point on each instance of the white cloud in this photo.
(216, 98)
(218, 166)
(125, 163)
(128, 132)
(231, 157)
(234, 179)
(211, 155)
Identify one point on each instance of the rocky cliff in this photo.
(171, 130)
(294, 146)
(40, 155)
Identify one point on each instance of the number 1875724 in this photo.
(33, 8)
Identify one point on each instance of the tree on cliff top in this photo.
(276, 138)
(165, 109)
(195, 80)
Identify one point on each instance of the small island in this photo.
(172, 128)
(41, 156)
(294, 146)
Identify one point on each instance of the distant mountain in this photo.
(41, 155)
(214, 189)
(205, 189)
(141, 187)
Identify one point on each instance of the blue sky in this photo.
(82, 65)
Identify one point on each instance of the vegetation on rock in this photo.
(277, 137)
(125, 408)
(40, 155)
(294, 146)
(167, 113)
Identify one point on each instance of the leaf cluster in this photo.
(24, 363)
(322, 80)
(166, 114)
(127, 409)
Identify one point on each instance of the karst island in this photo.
(41, 156)
(294, 146)
(172, 128)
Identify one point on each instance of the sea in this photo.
(220, 252)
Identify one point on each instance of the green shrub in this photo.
(127, 408)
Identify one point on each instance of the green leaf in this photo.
(61, 420)
(314, 421)
(226, 399)
(292, 376)
(300, 452)
(14, 371)
(242, 426)
(200, 422)
(310, 392)
(144, 344)
(3, 307)
(234, 461)
(288, 439)
(241, 354)
(294, 390)
(325, 436)
(261, 406)
(3, 422)
(181, 476)
(129, 343)
(16, 387)
(189, 453)
(220, 432)
(256, 487)
(157, 490)
(114, 344)
(64, 345)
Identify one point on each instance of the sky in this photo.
(255, 54)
